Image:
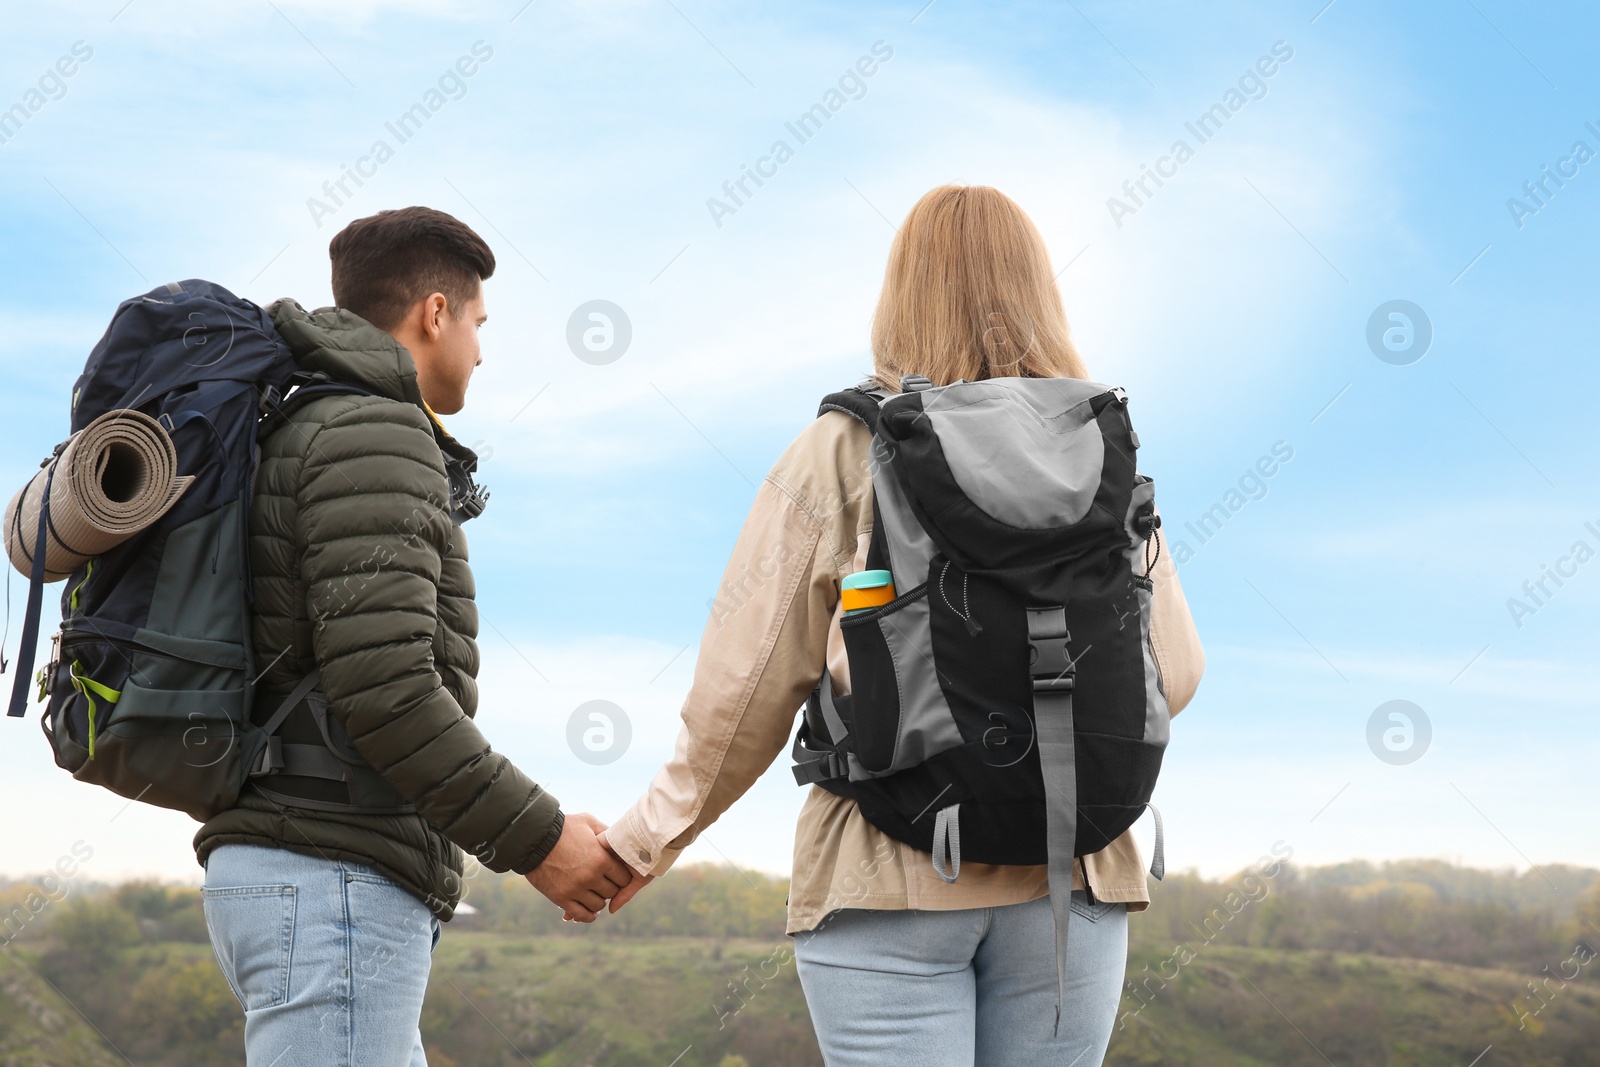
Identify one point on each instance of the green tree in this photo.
(184, 1006)
(94, 928)
(1589, 917)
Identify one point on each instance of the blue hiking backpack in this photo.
(148, 688)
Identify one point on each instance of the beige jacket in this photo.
(774, 624)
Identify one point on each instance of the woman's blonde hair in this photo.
(969, 294)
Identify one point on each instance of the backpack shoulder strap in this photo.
(862, 402)
(859, 403)
(277, 412)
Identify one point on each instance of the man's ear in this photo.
(434, 310)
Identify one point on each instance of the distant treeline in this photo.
(1427, 909)
(1422, 909)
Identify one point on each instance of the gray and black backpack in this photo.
(150, 686)
(1006, 706)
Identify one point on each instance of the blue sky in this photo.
(1374, 164)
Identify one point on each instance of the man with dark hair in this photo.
(384, 264)
(326, 884)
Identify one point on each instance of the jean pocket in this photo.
(252, 931)
(396, 931)
(1093, 912)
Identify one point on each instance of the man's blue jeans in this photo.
(329, 958)
(957, 988)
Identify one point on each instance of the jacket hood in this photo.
(348, 348)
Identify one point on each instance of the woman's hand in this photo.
(630, 890)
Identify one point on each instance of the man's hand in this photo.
(628, 892)
(580, 874)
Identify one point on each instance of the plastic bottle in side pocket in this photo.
(866, 590)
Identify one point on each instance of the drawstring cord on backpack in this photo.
(1149, 563)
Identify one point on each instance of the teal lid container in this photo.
(866, 580)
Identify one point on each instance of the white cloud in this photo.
(783, 292)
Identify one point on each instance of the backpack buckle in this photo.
(826, 769)
(1050, 662)
(271, 758)
(467, 497)
(1059, 684)
(46, 678)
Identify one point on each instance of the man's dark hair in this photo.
(383, 264)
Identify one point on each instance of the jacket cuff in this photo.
(545, 845)
(636, 848)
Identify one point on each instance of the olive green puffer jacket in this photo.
(358, 571)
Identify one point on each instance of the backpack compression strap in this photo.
(30, 620)
(370, 792)
(1053, 675)
(821, 724)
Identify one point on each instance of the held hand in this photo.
(580, 874)
(630, 890)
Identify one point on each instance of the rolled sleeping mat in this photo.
(117, 476)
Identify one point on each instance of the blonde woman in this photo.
(899, 961)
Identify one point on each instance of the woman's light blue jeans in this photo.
(329, 958)
(957, 988)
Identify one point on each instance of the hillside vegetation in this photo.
(1415, 963)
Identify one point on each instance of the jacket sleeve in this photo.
(761, 655)
(374, 527)
(1173, 638)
